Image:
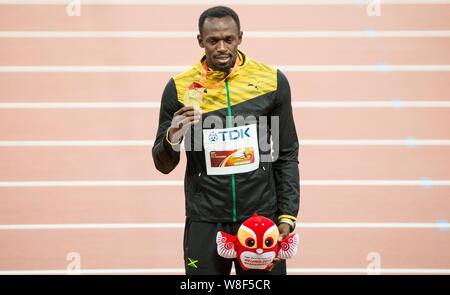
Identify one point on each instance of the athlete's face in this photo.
(220, 38)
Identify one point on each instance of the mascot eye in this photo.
(269, 242)
(250, 242)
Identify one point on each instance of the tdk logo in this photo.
(229, 135)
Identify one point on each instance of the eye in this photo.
(271, 236)
(269, 242)
(246, 237)
(250, 242)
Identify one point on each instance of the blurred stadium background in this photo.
(80, 87)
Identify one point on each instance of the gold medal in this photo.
(193, 97)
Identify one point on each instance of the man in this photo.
(232, 169)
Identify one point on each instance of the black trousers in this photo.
(200, 251)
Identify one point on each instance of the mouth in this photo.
(256, 261)
(223, 59)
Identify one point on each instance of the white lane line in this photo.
(249, 34)
(428, 183)
(91, 226)
(415, 225)
(390, 182)
(223, 2)
(93, 69)
(369, 271)
(339, 225)
(76, 143)
(303, 142)
(382, 68)
(81, 105)
(101, 183)
(94, 271)
(374, 142)
(398, 104)
(371, 104)
(181, 271)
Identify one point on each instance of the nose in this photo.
(221, 46)
(259, 251)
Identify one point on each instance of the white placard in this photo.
(231, 150)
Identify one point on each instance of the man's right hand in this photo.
(182, 121)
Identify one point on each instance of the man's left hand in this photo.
(284, 230)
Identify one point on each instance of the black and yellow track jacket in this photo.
(254, 90)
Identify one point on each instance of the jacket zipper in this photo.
(230, 125)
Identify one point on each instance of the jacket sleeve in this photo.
(165, 156)
(285, 166)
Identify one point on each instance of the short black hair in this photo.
(218, 11)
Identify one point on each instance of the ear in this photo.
(200, 41)
(240, 37)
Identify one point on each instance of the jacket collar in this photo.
(218, 75)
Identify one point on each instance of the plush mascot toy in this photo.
(256, 243)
